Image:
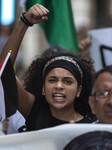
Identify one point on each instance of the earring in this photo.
(43, 92)
(78, 94)
(79, 91)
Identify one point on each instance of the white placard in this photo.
(101, 47)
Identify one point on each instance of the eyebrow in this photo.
(52, 76)
(66, 77)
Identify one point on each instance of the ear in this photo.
(79, 90)
(43, 91)
(91, 104)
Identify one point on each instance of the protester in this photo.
(101, 96)
(95, 140)
(57, 85)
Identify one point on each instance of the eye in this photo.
(52, 80)
(67, 81)
(103, 94)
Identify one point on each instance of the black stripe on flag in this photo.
(10, 89)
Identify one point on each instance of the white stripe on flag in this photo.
(5, 62)
(2, 103)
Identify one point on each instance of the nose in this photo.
(59, 85)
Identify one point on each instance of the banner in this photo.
(54, 138)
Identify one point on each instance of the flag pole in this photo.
(3, 64)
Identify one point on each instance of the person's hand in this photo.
(37, 14)
(5, 125)
(84, 44)
(72, 121)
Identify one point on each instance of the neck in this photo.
(66, 115)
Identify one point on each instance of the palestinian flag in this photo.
(8, 89)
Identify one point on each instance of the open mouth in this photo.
(59, 97)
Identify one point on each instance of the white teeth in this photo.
(59, 97)
(58, 94)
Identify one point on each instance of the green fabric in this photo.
(59, 28)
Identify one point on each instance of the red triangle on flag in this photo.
(2, 63)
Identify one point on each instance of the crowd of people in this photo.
(59, 86)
